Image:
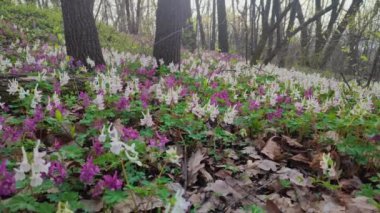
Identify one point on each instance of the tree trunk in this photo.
(169, 22)
(80, 31)
(222, 26)
(318, 29)
(213, 30)
(329, 49)
(200, 24)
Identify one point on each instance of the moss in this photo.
(47, 25)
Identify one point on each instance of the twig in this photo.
(345, 81)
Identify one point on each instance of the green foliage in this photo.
(47, 25)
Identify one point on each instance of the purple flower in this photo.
(11, 134)
(130, 133)
(29, 125)
(170, 81)
(254, 105)
(159, 140)
(85, 99)
(89, 170)
(112, 182)
(220, 97)
(7, 181)
(57, 172)
(122, 104)
(308, 93)
(261, 91)
(97, 146)
(57, 87)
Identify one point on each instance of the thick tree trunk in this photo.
(81, 35)
(200, 24)
(169, 22)
(330, 47)
(318, 29)
(222, 26)
(213, 30)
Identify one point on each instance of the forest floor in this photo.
(214, 136)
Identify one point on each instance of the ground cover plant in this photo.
(212, 134)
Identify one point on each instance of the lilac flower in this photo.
(214, 85)
(29, 125)
(130, 134)
(57, 172)
(254, 105)
(85, 99)
(57, 87)
(159, 140)
(261, 91)
(7, 181)
(97, 146)
(89, 170)
(122, 104)
(308, 93)
(170, 81)
(12, 134)
(112, 182)
(220, 97)
(2, 122)
(144, 97)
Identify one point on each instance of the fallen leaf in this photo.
(92, 205)
(194, 166)
(266, 165)
(251, 152)
(222, 188)
(291, 142)
(272, 150)
(294, 176)
(135, 203)
(360, 205)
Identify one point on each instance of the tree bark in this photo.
(318, 29)
(169, 22)
(335, 38)
(213, 30)
(200, 24)
(80, 31)
(222, 26)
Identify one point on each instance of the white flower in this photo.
(115, 83)
(212, 110)
(328, 166)
(36, 97)
(172, 96)
(37, 167)
(147, 120)
(64, 78)
(181, 205)
(172, 155)
(13, 87)
(90, 62)
(22, 93)
(42, 75)
(24, 166)
(230, 115)
(99, 101)
(117, 146)
(102, 137)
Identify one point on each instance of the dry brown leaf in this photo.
(194, 166)
(207, 175)
(360, 205)
(143, 204)
(294, 176)
(266, 165)
(292, 142)
(329, 205)
(230, 153)
(272, 150)
(92, 205)
(284, 203)
(251, 152)
(222, 188)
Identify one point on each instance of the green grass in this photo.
(45, 24)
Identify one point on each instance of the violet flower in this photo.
(130, 134)
(85, 99)
(7, 181)
(88, 172)
(57, 172)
